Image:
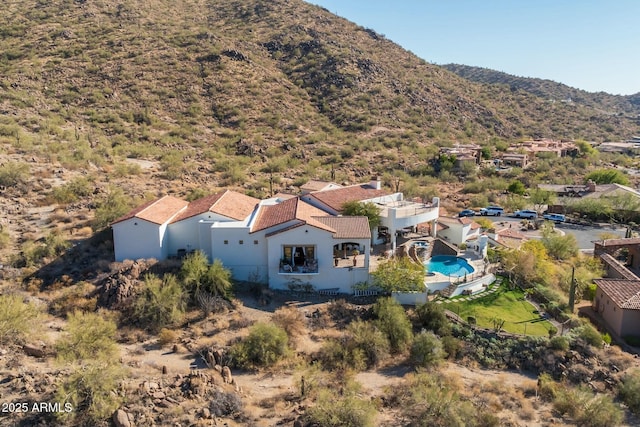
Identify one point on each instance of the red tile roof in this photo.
(336, 198)
(288, 210)
(624, 293)
(227, 203)
(157, 211)
(348, 227)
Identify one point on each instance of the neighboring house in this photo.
(285, 242)
(314, 185)
(618, 302)
(458, 230)
(142, 233)
(507, 237)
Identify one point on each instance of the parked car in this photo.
(554, 217)
(466, 212)
(526, 213)
(492, 211)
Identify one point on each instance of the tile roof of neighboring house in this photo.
(464, 221)
(337, 197)
(288, 210)
(617, 242)
(227, 203)
(316, 185)
(624, 293)
(608, 190)
(157, 211)
(347, 227)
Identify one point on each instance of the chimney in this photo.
(591, 186)
(375, 183)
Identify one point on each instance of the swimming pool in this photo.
(449, 265)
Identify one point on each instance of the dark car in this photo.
(466, 212)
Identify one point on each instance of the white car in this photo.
(554, 217)
(526, 213)
(492, 211)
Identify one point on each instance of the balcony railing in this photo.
(310, 267)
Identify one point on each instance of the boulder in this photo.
(226, 375)
(121, 419)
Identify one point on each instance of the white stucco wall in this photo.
(136, 238)
(328, 277)
(239, 252)
(186, 234)
(631, 323)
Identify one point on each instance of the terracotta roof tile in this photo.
(624, 293)
(288, 210)
(316, 185)
(226, 203)
(336, 198)
(348, 227)
(157, 211)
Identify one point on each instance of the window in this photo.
(255, 242)
(241, 242)
(299, 255)
(226, 242)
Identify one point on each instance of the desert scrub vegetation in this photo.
(198, 275)
(266, 345)
(73, 190)
(362, 346)
(110, 207)
(161, 302)
(18, 319)
(629, 391)
(343, 409)
(13, 173)
(393, 321)
(89, 348)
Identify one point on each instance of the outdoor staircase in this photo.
(446, 292)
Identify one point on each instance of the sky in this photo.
(592, 45)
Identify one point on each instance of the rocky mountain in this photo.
(548, 89)
(276, 78)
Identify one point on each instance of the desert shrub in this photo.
(291, 320)
(13, 173)
(161, 302)
(589, 334)
(629, 391)
(393, 321)
(338, 355)
(432, 317)
(5, 239)
(75, 297)
(111, 207)
(346, 409)
(426, 350)
(559, 343)
(547, 387)
(167, 336)
(600, 411)
(18, 318)
(265, 345)
(210, 303)
(90, 391)
(72, 190)
(200, 276)
(370, 340)
(224, 404)
(433, 400)
(451, 346)
(88, 336)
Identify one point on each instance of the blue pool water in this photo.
(449, 265)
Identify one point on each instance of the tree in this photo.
(265, 345)
(624, 206)
(89, 336)
(399, 274)
(368, 209)
(114, 205)
(558, 246)
(198, 275)
(161, 303)
(516, 187)
(393, 321)
(18, 318)
(608, 176)
(426, 350)
(630, 391)
(541, 199)
(217, 280)
(433, 318)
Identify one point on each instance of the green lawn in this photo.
(505, 304)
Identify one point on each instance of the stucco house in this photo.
(142, 233)
(282, 241)
(618, 302)
(396, 213)
(458, 230)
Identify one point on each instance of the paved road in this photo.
(585, 235)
